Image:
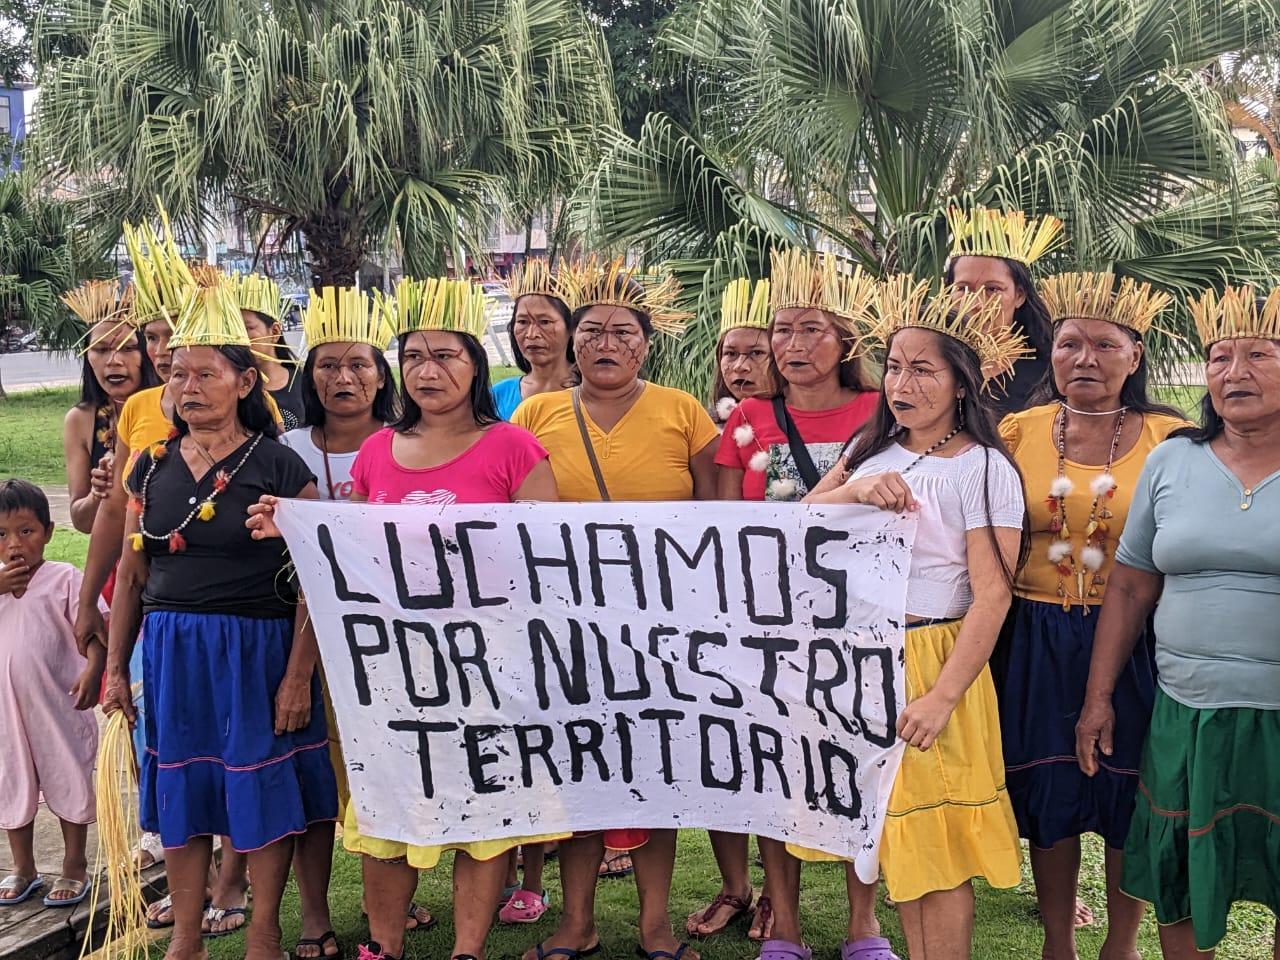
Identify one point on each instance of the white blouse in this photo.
(950, 492)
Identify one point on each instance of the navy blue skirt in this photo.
(213, 764)
(1041, 669)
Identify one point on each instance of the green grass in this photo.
(1007, 925)
(1186, 399)
(68, 546)
(31, 434)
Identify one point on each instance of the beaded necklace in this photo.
(932, 447)
(849, 450)
(1093, 554)
(204, 509)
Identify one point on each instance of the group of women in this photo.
(1046, 541)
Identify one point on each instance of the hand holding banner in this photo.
(523, 669)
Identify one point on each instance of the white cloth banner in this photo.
(523, 669)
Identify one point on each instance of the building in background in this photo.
(507, 244)
(16, 102)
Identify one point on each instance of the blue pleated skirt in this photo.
(213, 764)
(1041, 668)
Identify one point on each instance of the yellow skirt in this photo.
(335, 748)
(949, 818)
(425, 858)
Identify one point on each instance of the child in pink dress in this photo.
(47, 692)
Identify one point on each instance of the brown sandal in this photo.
(740, 905)
(764, 916)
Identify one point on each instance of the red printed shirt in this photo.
(773, 475)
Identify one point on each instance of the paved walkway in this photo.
(59, 503)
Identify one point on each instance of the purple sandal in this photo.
(784, 950)
(868, 948)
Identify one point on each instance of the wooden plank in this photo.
(32, 931)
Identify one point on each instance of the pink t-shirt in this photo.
(491, 470)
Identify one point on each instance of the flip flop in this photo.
(741, 906)
(166, 903)
(79, 889)
(319, 943)
(662, 954)
(567, 952)
(432, 919)
(763, 914)
(14, 882)
(150, 846)
(419, 926)
(217, 914)
(868, 948)
(612, 873)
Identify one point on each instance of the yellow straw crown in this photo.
(534, 278)
(1236, 315)
(815, 281)
(259, 294)
(210, 317)
(975, 321)
(612, 283)
(1096, 296)
(454, 306)
(346, 315)
(101, 301)
(161, 278)
(97, 300)
(983, 232)
(744, 305)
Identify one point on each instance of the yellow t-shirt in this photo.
(644, 457)
(1030, 438)
(142, 422)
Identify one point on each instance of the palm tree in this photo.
(354, 124)
(854, 124)
(43, 254)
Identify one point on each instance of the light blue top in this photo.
(506, 396)
(1217, 624)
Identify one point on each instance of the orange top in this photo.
(1030, 437)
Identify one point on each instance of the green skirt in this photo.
(1206, 830)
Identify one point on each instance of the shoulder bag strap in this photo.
(586, 443)
(799, 452)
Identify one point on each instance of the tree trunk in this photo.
(335, 255)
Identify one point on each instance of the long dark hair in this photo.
(1210, 426)
(879, 432)
(1032, 318)
(251, 410)
(92, 394)
(565, 314)
(482, 408)
(386, 402)
(1134, 394)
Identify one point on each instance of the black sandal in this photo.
(319, 943)
(567, 952)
